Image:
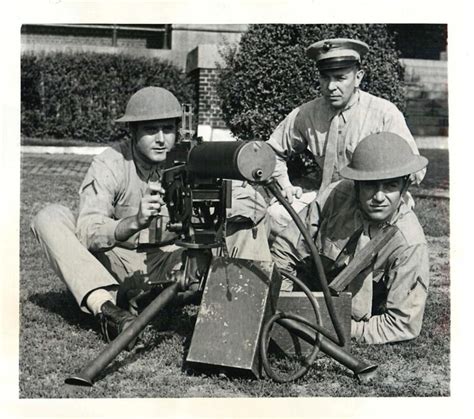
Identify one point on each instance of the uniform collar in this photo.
(354, 100)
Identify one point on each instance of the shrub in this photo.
(79, 95)
(269, 74)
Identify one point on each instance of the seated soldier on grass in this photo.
(389, 296)
(113, 242)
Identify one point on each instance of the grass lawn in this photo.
(56, 338)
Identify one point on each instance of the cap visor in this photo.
(336, 63)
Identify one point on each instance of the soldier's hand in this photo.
(292, 191)
(150, 204)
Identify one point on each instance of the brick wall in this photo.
(208, 102)
(202, 67)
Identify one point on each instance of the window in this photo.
(117, 35)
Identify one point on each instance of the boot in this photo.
(113, 320)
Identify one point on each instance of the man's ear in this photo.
(359, 76)
(406, 185)
(356, 189)
(132, 129)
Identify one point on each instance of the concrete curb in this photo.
(38, 149)
(438, 194)
(439, 143)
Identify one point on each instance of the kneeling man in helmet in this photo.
(389, 296)
(119, 237)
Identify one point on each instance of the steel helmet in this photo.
(383, 156)
(151, 103)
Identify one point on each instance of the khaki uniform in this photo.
(308, 125)
(84, 252)
(389, 298)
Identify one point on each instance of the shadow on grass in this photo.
(63, 304)
(169, 321)
(132, 356)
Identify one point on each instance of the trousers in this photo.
(82, 271)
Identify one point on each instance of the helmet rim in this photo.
(414, 166)
(383, 155)
(151, 103)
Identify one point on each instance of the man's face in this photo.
(338, 85)
(379, 199)
(153, 139)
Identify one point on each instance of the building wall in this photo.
(427, 110)
(202, 68)
(187, 37)
(209, 103)
(47, 43)
(184, 38)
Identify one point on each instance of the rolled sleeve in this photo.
(96, 223)
(407, 292)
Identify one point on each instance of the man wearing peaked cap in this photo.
(332, 125)
(119, 245)
(389, 294)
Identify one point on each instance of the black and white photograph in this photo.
(226, 212)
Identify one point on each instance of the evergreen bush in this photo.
(78, 95)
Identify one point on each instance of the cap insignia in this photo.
(327, 46)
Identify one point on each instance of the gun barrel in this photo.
(87, 375)
(359, 367)
(253, 160)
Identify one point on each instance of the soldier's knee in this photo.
(51, 216)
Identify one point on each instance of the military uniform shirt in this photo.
(307, 126)
(399, 272)
(112, 189)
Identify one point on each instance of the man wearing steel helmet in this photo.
(332, 125)
(389, 295)
(118, 247)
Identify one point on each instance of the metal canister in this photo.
(253, 160)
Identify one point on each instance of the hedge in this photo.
(269, 74)
(78, 95)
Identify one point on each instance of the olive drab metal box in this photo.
(239, 296)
